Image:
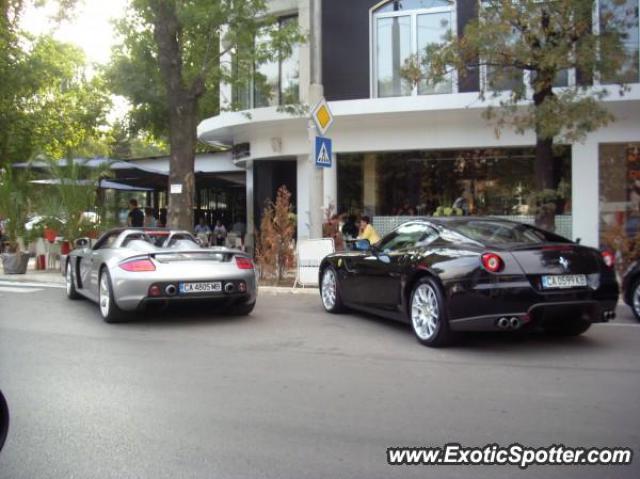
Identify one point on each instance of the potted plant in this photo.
(14, 207)
(73, 197)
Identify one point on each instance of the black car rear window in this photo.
(499, 232)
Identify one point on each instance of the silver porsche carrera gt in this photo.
(130, 268)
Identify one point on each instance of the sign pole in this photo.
(315, 95)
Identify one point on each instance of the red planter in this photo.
(65, 248)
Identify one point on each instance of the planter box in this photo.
(15, 263)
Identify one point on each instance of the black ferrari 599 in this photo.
(443, 275)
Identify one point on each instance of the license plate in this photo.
(206, 287)
(564, 281)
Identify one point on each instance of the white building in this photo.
(400, 150)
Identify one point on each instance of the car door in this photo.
(91, 261)
(380, 271)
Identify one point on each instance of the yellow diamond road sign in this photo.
(322, 116)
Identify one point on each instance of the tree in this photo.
(72, 194)
(47, 105)
(526, 48)
(170, 65)
(277, 228)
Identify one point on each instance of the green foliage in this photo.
(15, 203)
(47, 105)
(72, 194)
(543, 39)
(202, 26)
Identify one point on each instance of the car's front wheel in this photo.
(330, 291)
(635, 299)
(70, 282)
(109, 310)
(428, 314)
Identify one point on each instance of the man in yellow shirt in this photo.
(367, 231)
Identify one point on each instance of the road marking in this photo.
(27, 284)
(5, 289)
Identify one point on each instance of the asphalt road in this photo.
(292, 392)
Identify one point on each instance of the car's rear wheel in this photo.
(242, 309)
(635, 299)
(330, 291)
(70, 282)
(427, 314)
(109, 310)
(569, 327)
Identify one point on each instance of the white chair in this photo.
(53, 255)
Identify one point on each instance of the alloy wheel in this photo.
(105, 296)
(425, 313)
(636, 299)
(68, 278)
(329, 289)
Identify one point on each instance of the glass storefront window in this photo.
(402, 31)
(266, 80)
(620, 200)
(290, 71)
(426, 183)
(398, 5)
(393, 48)
(432, 30)
(275, 82)
(624, 15)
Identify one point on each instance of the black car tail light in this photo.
(608, 258)
(492, 262)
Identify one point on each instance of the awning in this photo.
(104, 184)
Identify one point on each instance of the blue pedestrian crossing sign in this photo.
(323, 152)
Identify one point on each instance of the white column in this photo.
(330, 186)
(303, 180)
(250, 236)
(585, 193)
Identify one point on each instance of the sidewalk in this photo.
(55, 276)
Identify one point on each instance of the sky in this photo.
(90, 28)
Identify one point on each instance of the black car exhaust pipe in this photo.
(503, 323)
(515, 323)
(229, 288)
(171, 290)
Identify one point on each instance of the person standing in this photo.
(136, 216)
(203, 232)
(150, 218)
(367, 231)
(334, 232)
(219, 233)
(349, 230)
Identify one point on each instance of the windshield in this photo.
(503, 232)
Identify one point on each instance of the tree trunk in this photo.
(182, 103)
(545, 209)
(181, 165)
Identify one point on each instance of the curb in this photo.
(30, 278)
(286, 290)
(57, 278)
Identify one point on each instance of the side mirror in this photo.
(578, 240)
(82, 243)
(361, 245)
